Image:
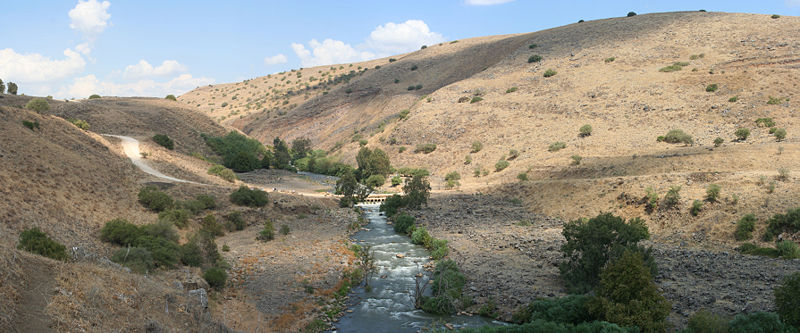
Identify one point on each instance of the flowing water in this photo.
(389, 306)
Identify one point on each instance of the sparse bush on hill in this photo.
(268, 233)
(403, 114)
(155, 200)
(235, 221)
(463, 99)
(513, 154)
(241, 153)
(774, 100)
(403, 223)
(673, 197)
(585, 130)
(712, 192)
(414, 67)
(697, 206)
(788, 249)
(501, 165)
(745, 227)
(678, 136)
(475, 99)
(375, 181)
(576, 159)
(467, 160)
(177, 217)
(210, 226)
(549, 73)
(38, 105)
(718, 142)
(779, 223)
(31, 125)
(775, 16)
(511, 90)
(522, 176)
(244, 196)
(765, 122)
(787, 299)
(676, 66)
(425, 148)
(755, 250)
(733, 99)
(396, 180)
(222, 172)
(704, 321)
(476, 146)
(138, 259)
(631, 14)
(651, 197)
(36, 241)
(758, 322)
(712, 87)
(12, 88)
(556, 146)
(171, 98)
(94, 96)
(216, 277)
(82, 124)
(164, 141)
(534, 58)
(742, 134)
(609, 59)
(780, 134)
(451, 179)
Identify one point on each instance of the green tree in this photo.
(164, 141)
(300, 148)
(787, 299)
(375, 181)
(2, 87)
(171, 97)
(627, 295)
(372, 162)
(12, 88)
(244, 196)
(417, 191)
(215, 277)
(347, 186)
(282, 156)
(592, 243)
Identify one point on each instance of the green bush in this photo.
(765, 122)
(755, 250)
(36, 241)
(550, 327)
(216, 277)
(534, 58)
(718, 142)
(447, 289)
(425, 148)
(576, 159)
(164, 141)
(712, 87)
(788, 249)
(121, 232)
(475, 99)
(476, 146)
(789, 222)
(780, 134)
(420, 236)
(211, 227)
(590, 244)
(451, 179)
(392, 204)
(742, 134)
(532, 46)
(585, 130)
(572, 309)
(396, 180)
(165, 252)
(652, 199)
(31, 125)
(609, 59)
(733, 99)
(226, 248)
(549, 73)
(758, 322)
(489, 309)
(244, 196)
(268, 233)
(556, 146)
(82, 124)
(501, 165)
(513, 154)
(171, 98)
(235, 221)
(439, 248)
(177, 217)
(673, 197)
(671, 68)
(155, 200)
(417, 191)
(712, 192)
(240, 153)
(285, 230)
(136, 258)
(704, 321)
(222, 172)
(678, 136)
(38, 105)
(697, 206)
(522, 176)
(631, 14)
(511, 90)
(745, 227)
(403, 223)
(191, 254)
(375, 181)
(774, 100)
(627, 295)
(775, 16)
(787, 299)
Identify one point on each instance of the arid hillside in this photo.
(631, 79)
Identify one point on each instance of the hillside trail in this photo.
(131, 148)
(34, 297)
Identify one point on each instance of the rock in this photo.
(449, 326)
(201, 296)
(400, 255)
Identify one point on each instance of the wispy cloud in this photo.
(276, 59)
(486, 2)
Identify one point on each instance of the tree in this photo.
(300, 148)
(38, 105)
(282, 158)
(417, 191)
(787, 299)
(592, 243)
(627, 295)
(12, 88)
(2, 87)
(347, 186)
(372, 162)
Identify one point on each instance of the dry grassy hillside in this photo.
(608, 76)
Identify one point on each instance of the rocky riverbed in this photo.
(512, 256)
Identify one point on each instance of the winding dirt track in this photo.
(131, 148)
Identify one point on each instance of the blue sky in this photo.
(153, 48)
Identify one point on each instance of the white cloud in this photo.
(403, 37)
(486, 2)
(276, 59)
(90, 17)
(329, 52)
(83, 48)
(793, 3)
(84, 86)
(34, 67)
(144, 69)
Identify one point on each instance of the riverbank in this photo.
(511, 255)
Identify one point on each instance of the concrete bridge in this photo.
(376, 198)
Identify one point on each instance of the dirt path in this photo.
(131, 148)
(31, 315)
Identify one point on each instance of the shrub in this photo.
(475, 99)
(211, 227)
(425, 148)
(775, 16)
(463, 99)
(752, 249)
(452, 179)
(774, 100)
(758, 322)
(780, 134)
(12, 88)
(164, 141)
(226, 248)
(783, 174)
(467, 160)
(534, 58)
(417, 191)
(673, 197)
(585, 130)
(712, 87)
(208, 201)
(789, 222)
(718, 142)
(549, 73)
(765, 122)
(138, 259)
(511, 90)
(82, 124)
(285, 230)
(489, 309)
(652, 199)
(155, 200)
(609, 59)
(745, 227)
(36, 241)
(697, 206)
(631, 14)
(500, 165)
(392, 204)
(787, 299)
(522, 176)
(38, 105)
(788, 249)
(268, 233)
(591, 243)
(420, 236)
(171, 98)
(396, 180)
(414, 67)
(678, 136)
(31, 125)
(191, 254)
(733, 99)
(216, 277)
(712, 192)
(375, 181)
(403, 223)
(120, 232)
(556, 146)
(532, 46)
(439, 249)
(447, 289)
(576, 159)
(222, 172)
(244, 196)
(176, 217)
(742, 134)
(674, 67)
(704, 321)
(627, 295)
(403, 114)
(476, 146)
(236, 221)
(165, 252)
(513, 154)
(94, 96)
(572, 309)
(238, 149)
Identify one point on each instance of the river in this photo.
(389, 306)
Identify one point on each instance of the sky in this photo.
(72, 49)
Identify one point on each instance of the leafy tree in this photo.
(759, 322)
(94, 96)
(164, 141)
(36, 241)
(627, 295)
(2, 87)
(238, 150)
(191, 254)
(300, 147)
(347, 186)
(372, 162)
(392, 204)
(138, 259)
(452, 179)
(268, 233)
(704, 321)
(375, 181)
(12, 88)
(171, 97)
(592, 243)
(216, 277)
(243, 161)
(403, 223)
(417, 191)
(244, 196)
(787, 299)
(282, 156)
(38, 105)
(447, 289)
(781, 223)
(742, 134)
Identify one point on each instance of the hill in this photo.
(632, 79)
